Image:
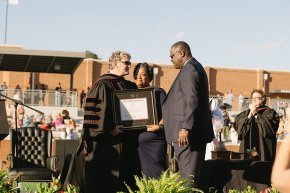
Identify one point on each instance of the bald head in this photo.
(181, 45)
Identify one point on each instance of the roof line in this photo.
(42, 52)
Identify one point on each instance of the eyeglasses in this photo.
(174, 54)
(257, 99)
(127, 63)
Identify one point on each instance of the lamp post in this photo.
(265, 78)
(155, 72)
(6, 22)
(11, 2)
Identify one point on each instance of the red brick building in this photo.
(275, 83)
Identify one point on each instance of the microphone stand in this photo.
(16, 103)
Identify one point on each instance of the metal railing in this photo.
(43, 97)
(242, 106)
(70, 99)
(236, 105)
(280, 105)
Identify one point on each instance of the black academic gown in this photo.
(258, 132)
(105, 171)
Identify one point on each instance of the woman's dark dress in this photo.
(152, 145)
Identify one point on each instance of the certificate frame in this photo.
(134, 109)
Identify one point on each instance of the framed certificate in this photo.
(134, 109)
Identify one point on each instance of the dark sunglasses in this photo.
(127, 63)
(171, 56)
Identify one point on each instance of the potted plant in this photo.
(167, 183)
(6, 184)
(54, 187)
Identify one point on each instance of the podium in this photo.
(225, 175)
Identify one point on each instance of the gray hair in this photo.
(117, 56)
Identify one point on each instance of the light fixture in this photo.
(266, 76)
(57, 67)
(155, 71)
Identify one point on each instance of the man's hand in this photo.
(116, 131)
(183, 137)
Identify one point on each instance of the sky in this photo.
(247, 34)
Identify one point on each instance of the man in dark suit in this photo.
(186, 112)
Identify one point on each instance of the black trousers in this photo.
(190, 159)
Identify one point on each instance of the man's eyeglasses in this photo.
(127, 63)
(174, 54)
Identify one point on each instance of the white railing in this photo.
(237, 106)
(43, 97)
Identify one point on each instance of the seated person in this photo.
(65, 116)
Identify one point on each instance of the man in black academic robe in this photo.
(104, 172)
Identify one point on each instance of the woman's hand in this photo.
(153, 128)
(280, 131)
(253, 111)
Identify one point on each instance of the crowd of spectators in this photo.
(40, 95)
(61, 122)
